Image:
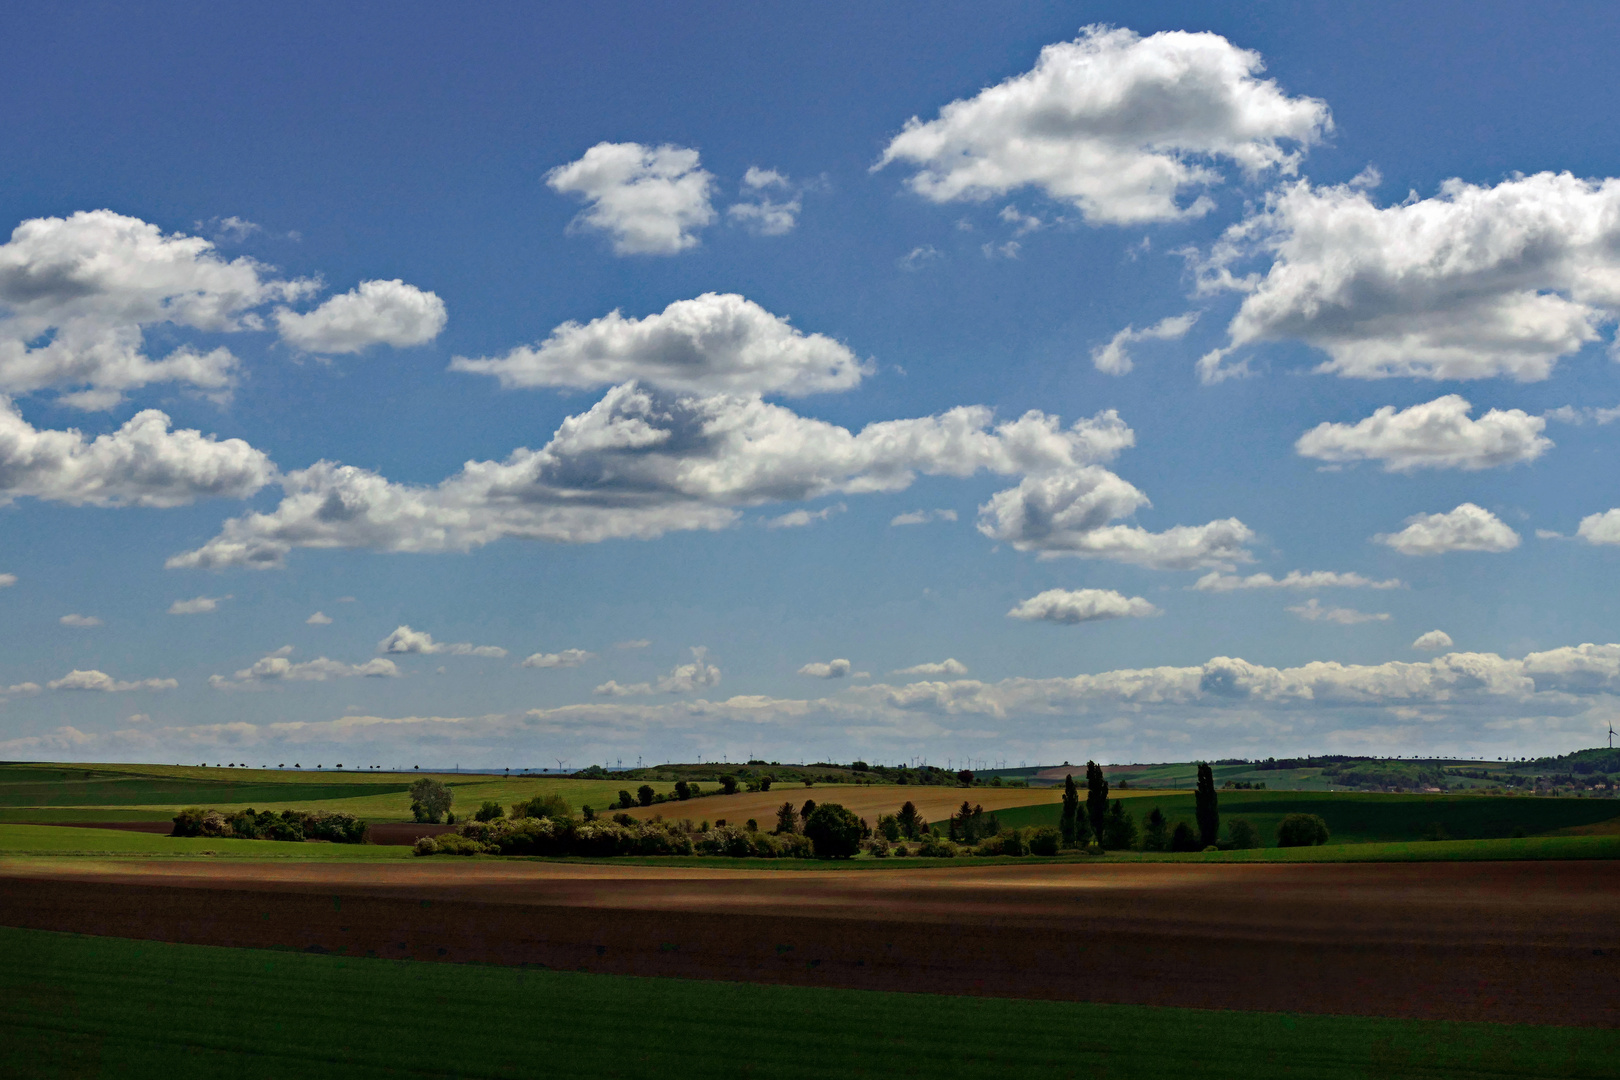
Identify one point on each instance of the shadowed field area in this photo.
(104, 1007)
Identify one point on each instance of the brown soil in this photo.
(1503, 942)
(934, 803)
(388, 834)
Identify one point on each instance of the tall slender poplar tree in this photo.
(1071, 809)
(1096, 799)
(1205, 808)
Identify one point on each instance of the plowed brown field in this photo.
(1507, 942)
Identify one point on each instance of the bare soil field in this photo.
(1503, 942)
(934, 803)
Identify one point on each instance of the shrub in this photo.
(489, 811)
(834, 831)
(626, 800)
(879, 848)
(1012, 842)
(1183, 838)
(1119, 828)
(1045, 841)
(624, 819)
(936, 847)
(765, 782)
(752, 825)
(1157, 835)
(901, 851)
(1302, 830)
(888, 827)
(188, 822)
(1243, 834)
(451, 844)
(544, 806)
(425, 845)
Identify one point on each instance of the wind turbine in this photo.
(1611, 735)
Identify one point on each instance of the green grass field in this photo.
(107, 1007)
(1364, 818)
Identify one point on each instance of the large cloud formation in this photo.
(372, 313)
(1081, 605)
(276, 668)
(642, 462)
(143, 463)
(1119, 125)
(1477, 282)
(650, 200)
(1467, 528)
(714, 343)
(1438, 434)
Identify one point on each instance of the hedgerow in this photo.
(290, 825)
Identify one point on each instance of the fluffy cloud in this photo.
(1438, 434)
(565, 659)
(1312, 611)
(1119, 125)
(405, 640)
(832, 669)
(715, 343)
(1115, 359)
(372, 313)
(641, 463)
(1569, 414)
(650, 200)
(1081, 605)
(320, 618)
(7, 580)
(798, 519)
(682, 679)
(1068, 513)
(922, 517)
(143, 463)
(1601, 528)
(101, 682)
(1467, 528)
(80, 621)
(1215, 581)
(1433, 641)
(80, 292)
(200, 605)
(1477, 282)
(276, 668)
(765, 215)
(949, 666)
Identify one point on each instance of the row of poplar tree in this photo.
(1106, 823)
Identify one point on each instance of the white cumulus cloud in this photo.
(949, 666)
(650, 200)
(831, 669)
(1119, 125)
(1215, 581)
(1313, 611)
(922, 517)
(372, 313)
(763, 214)
(714, 343)
(1114, 358)
(1601, 528)
(7, 580)
(1467, 528)
(1081, 605)
(101, 682)
(199, 605)
(1433, 641)
(80, 620)
(798, 519)
(142, 463)
(405, 640)
(567, 658)
(1438, 434)
(277, 668)
(1476, 282)
(320, 618)
(682, 679)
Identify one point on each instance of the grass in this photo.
(106, 1007)
(54, 840)
(1362, 818)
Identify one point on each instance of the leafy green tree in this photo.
(1243, 834)
(489, 811)
(787, 819)
(728, 785)
(965, 778)
(1156, 837)
(1045, 841)
(806, 810)
(834, 832)
(681, 790)
(551, 806)
(765, 782)
(626, 800)
(1068, 824)
(1183, 838)
(889, 826)
(430, 800)
(1302, 830)
(910, 821)
(644, 794)
(1119, 834)
(1096, 799)
(1205, 808)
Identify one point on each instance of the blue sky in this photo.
(539, 352)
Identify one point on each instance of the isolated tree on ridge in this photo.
(1205, 808)
(1071, 809)
(1096, 799)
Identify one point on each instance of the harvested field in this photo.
(934, 803)
(1500, 942)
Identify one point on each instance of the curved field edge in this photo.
(34, 841)
(85, 1006)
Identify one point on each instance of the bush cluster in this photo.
(290, 825)
(561, 835)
